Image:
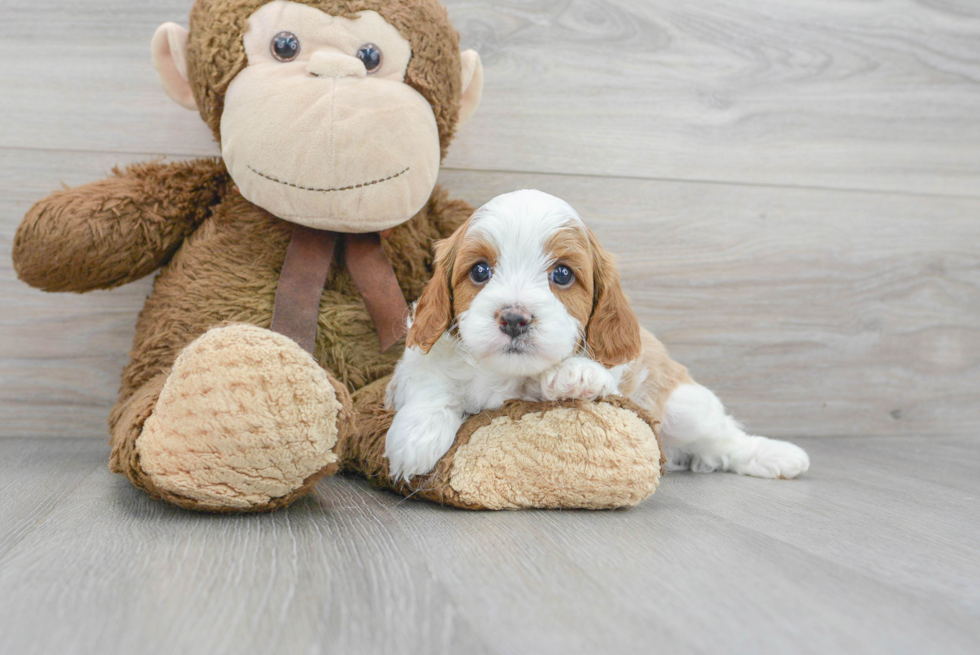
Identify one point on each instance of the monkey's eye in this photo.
(562, 275)
(370, 54)
(481, 272)
(285, 46)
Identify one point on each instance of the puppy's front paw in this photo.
(418, 438)
(577, 378)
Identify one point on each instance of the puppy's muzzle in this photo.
(514, 321)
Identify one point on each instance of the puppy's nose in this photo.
(513, 322)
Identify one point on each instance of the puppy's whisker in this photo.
(585, 350)
(428, 485)
(409, 496)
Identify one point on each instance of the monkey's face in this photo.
(319, 125)
(320, 128)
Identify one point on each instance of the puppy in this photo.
(525, 303)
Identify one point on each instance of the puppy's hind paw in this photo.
(769, 458)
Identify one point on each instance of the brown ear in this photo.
(613, 332)
(434, 309)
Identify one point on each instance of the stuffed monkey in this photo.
(262, 354)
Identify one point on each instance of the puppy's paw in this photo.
(418, 438)
(577, 378)
(769, 458)
(677, 459)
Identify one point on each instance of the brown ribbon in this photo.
(304, 273)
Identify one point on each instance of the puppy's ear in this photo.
(434, 309)
(613, 332)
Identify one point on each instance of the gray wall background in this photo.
(793, 188)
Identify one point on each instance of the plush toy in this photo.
(261, 357)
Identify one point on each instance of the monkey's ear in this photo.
(169, 47)
(472, 84)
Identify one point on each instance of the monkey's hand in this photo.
(116, 230)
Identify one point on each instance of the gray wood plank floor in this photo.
(876, 550)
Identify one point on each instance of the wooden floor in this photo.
(793, 189)
(877, 550)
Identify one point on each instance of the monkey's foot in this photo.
(568, 454)
(247, 421)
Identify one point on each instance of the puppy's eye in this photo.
(562, 275)
(370, 54)
(481, 272)
(285, 46)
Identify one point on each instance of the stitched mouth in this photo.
(330, 190)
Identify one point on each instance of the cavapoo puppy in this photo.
(525, 303)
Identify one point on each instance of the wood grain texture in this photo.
(810, 312)
(845, 94)
(870, 552)
(35, 478)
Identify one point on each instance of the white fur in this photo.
(698, 435)
(579, 377)
(433, 393)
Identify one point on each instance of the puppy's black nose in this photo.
(514, 323)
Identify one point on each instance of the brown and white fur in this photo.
(531, 331)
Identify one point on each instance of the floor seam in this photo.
(598, 176)
(37, 524)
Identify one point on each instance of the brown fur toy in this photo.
(333, 115)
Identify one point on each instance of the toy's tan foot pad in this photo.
(570, 454)
(246, 421)
(579, 455)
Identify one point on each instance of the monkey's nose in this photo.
(333, 64)
(514, 323)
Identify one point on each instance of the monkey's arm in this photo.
(116, 230)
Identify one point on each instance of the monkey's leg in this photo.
(568, 454)
(245, 421)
